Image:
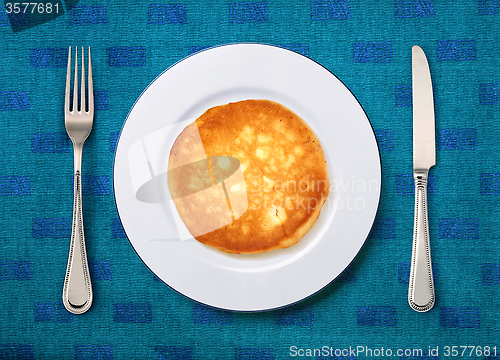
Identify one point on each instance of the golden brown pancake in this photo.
(248, 177)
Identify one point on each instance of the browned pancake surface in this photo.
(284, 169)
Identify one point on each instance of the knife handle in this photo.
(421, 296)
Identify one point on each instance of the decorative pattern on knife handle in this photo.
(421, 296)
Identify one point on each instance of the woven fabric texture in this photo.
(367, 45)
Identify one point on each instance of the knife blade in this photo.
(424, 145)
(421, 294)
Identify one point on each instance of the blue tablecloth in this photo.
(364, 313)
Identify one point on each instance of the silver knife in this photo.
(421, 296)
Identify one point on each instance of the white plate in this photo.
(226, 74)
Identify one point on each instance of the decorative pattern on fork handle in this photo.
(75, 299)
(77, 290)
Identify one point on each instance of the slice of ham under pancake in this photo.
(248, 177)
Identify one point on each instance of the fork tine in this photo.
(75, 85)
(91, 88)
(68, 84)
(82, 87)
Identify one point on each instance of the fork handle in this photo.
(77, 291)
(421, 296)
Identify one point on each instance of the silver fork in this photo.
(77, 291)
